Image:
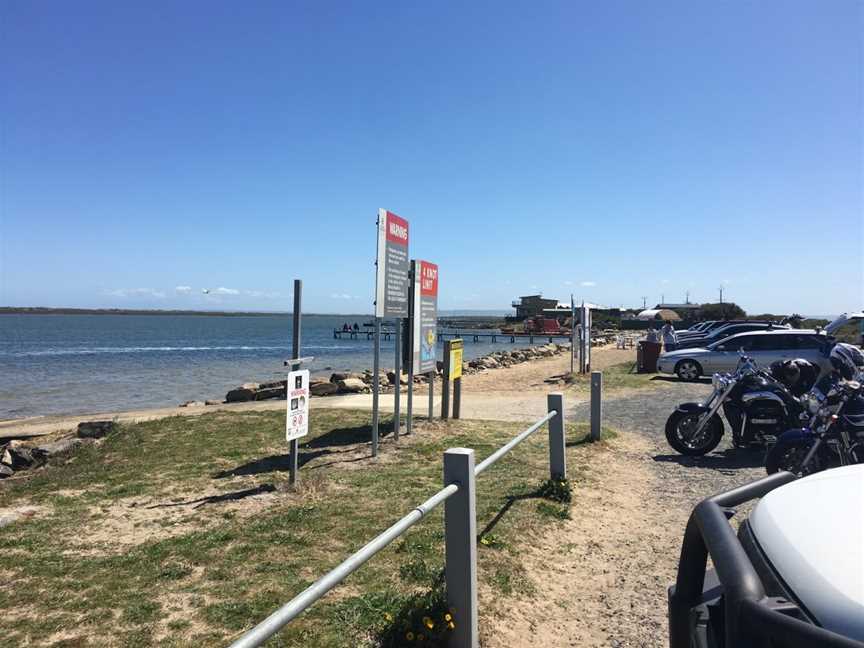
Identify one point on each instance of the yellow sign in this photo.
(455, 359)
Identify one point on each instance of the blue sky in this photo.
(615, 150)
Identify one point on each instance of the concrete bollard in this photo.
(557, 454)
(460, 537)
(596, 404)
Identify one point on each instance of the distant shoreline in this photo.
(43, 310)
(38, 310)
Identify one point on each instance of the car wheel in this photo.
(688, 370)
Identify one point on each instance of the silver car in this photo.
(764, 347)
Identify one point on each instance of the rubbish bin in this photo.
(646, 356)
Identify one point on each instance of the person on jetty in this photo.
(356, 326)
(345, 327)
(670, 337)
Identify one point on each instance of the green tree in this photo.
(724, 311)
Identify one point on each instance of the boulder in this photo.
(345, 375)
(6, 471)
(213, 402)
(60, 447)
(352, 386)
(266, 393)
(391, 378)
(21, 458)
(192, 404)
(95, 429)
(240, 395)
(490, 363)
(250, 385)
(323, 389)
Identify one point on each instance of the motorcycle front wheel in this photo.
(788, 455)
(680, 428)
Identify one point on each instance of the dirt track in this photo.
(601, 577)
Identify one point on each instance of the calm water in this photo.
(52, 364)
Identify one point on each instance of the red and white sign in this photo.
(297, 396)
(425, 317)
(393, 265)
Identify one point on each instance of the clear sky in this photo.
(614, 150)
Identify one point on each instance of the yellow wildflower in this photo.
(428, 622)
(448, 617)
(388, 616)
(484, 540)
(451, 625)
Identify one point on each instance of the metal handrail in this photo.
(281, 617)
(519, 438)
(284, 615)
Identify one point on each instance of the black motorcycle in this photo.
(758, 407)
(834, 437)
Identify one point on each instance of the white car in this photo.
(792, 576)
(764, 347)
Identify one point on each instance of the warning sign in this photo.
(297, 423)
(393, 265)
(455, 359)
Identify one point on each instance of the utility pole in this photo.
(687, 298)
(644, 303)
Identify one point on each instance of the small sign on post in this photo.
(297, 397)
(456, 349)
(452, 372)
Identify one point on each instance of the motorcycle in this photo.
(758, 407)
(834, 437)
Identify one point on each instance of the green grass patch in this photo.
(120, 556)
(619, 376)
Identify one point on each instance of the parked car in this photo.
(764, 347)
(712, 326)
(790, 578)
(704, 339)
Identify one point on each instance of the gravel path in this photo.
(601, 577)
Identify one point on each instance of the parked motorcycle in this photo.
(758, 407)
(834, 437)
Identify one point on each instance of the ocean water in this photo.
(55, 364)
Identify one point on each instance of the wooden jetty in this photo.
(512, 338)
(339, 334)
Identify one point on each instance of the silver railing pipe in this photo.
(519, 438)
(281, 617)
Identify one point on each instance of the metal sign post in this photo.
(431, 395)
(409, 347)
(391, 300)
(572, 333)
(445, 384)
(295, 343)
(376, 387)
(397, 390)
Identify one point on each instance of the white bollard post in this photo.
(557, 452)
(460, 537)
